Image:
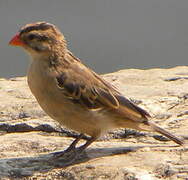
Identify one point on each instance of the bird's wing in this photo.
(83, 86)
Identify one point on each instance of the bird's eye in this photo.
(31, 36)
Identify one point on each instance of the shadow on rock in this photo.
(27, 166)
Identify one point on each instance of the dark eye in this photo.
(32, 36)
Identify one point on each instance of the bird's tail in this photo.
(165, 133)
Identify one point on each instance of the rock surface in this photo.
(29, 136)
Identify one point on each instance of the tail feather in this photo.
(165, 133)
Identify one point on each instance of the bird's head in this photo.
(39, 38)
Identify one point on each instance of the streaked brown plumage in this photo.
(71, 93)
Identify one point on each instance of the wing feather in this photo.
(83, 86)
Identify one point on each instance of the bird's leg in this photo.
(72, 152)
(70, 148)
(88, 142)
(73, 144)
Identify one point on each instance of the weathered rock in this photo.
(29, 136)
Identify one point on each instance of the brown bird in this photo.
(74, 95)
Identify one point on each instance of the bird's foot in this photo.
(69, 154)
(63, 154)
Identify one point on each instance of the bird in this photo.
(73, 94)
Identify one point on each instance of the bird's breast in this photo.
(43, 86)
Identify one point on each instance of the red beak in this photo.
(15, 41)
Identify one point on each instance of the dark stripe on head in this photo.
(37, 26)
